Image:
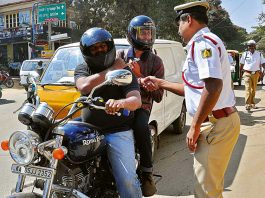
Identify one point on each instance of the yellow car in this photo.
(57, 86)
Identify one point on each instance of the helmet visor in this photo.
(144, 34)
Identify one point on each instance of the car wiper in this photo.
(65, 83)
(58, 83)
(44, 84)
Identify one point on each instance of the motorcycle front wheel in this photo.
(9, 83)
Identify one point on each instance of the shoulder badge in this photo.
(206, 53)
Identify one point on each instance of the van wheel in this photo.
(180, 122)
(153, 140)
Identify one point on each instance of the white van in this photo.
(171, 110)
(28, 66)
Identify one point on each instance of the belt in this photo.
(251, 72)
(221, 113)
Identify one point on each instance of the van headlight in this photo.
(23, 146)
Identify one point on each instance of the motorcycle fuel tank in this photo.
(82, 141)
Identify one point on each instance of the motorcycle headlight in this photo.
(23, 146)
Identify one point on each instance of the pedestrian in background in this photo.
(141, 35)
(251, 63)
(209, 99)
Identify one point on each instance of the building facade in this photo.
(16, 22)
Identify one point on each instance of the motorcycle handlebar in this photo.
(87, 101)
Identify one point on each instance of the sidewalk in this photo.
(245, 176)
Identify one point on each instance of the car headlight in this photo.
(23, 146)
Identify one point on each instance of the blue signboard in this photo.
(24, 18)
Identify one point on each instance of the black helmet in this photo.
(97, 63)
(137, 27)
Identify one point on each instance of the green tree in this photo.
(259, 33)
(221, 24)
(115, 15)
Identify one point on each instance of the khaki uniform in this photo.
(251, 74)
(207, 58)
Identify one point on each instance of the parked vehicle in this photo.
(5, 79)
(28, 66)
(32, 95)
(235, 66)
(68, 158)
(57, 86)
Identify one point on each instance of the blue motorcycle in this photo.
(66, 157)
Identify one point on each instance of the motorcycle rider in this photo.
(98, 49)
(141, 35)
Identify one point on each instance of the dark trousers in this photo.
(143, 138)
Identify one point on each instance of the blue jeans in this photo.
(121, 154)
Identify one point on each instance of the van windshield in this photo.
(31, 65)
(62, 66)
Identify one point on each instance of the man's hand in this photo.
(192, 137)
(135, 67)
(118, 64)
(113, 106)
(148, 84)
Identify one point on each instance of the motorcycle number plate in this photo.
(33, 171)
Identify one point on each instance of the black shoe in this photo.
(148, 184)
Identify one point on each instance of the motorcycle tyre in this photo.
(1, 94)
(9, 83)
(25, 195)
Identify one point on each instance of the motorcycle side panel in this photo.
(82, 141)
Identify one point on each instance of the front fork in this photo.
(53, 164)
(20, 183)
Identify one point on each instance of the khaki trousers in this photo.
(251, 81)
(214, 149)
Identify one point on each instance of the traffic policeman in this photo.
(209, 99)
(251, 62)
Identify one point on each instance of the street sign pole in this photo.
(33, 27)
(49, 35)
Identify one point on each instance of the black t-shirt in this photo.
(106, 122)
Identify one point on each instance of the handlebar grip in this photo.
(124, 112)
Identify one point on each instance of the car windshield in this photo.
(62, 66)
(31, 65)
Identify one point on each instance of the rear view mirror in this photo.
(119, 77)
